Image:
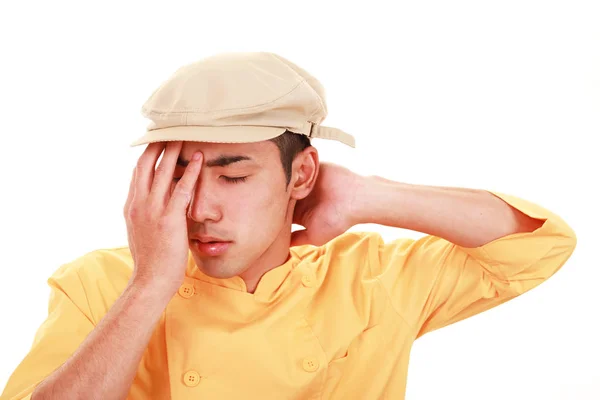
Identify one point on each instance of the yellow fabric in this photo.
(334, 322)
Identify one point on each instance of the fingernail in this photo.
(196, 156)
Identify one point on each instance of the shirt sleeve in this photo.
(433, 283)
(68, 323)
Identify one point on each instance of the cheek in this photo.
(259, 207)
(262, 195)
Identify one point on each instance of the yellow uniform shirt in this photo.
(334, 322)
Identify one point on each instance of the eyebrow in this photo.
(221, 161)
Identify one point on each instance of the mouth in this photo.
(211, 248)
(210, 241)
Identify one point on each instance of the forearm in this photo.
(105, 364)
(466, 217)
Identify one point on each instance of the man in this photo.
(215, 297)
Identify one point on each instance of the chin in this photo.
(218, 273)
(214, 269)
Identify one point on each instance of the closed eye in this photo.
(227, 179)
(234, 180)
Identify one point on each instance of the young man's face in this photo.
(254, 213)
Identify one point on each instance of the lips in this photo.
(209, 239)
(211, 248)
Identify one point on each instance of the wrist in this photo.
(373, 198)
(152, 291)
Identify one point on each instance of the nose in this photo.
(204, 205)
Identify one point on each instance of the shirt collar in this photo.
(268, 286)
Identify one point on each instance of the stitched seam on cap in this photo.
(311, 88)
(320, 102)
(195, 110)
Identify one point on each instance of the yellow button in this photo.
(310, 364)
(308, 281)
(191, 378)
(186, 290)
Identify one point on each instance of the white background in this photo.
(496, 95)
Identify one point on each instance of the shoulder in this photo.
(97, 277)
(347, 256)
(349, 243)
(107, 263)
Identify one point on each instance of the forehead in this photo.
(262, 152)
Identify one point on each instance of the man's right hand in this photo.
(156, 218)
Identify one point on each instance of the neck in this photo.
(274, 256)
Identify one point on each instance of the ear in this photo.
(305, 170)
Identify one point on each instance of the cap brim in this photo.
(213, 134)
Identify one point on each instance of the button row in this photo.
(192, 378)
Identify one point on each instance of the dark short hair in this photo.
(290, 144)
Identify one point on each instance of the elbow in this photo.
(570, 243)
(567, 238)
(565, 242)
(570, 234)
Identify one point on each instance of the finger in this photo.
(126, 210)
(130, 243)
(144, 171)
(130, 194)
(163, 176)
(182, 193)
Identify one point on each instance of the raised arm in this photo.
(481, 249)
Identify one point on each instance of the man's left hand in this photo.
(328, 210)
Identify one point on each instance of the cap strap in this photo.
(326, 132)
